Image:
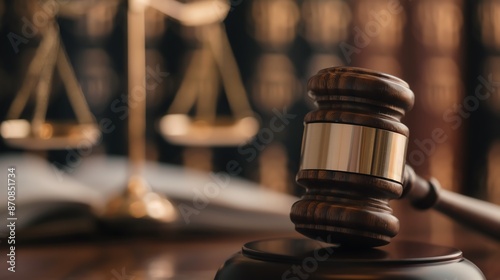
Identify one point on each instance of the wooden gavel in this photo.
(353, 163)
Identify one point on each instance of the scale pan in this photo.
(49, 135)
(183, 130)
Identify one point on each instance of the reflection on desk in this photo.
(125, 259)
(194, 254)
(181, 258)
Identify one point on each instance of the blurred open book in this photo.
(51, 203)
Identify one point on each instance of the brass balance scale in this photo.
(200, 88)
(137, 201)
(39, 133)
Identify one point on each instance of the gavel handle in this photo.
(477, 214)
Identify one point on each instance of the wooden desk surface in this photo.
(180, 258)
(197, 256)
(130, 258)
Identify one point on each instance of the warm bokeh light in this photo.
(325, 22)
(274, 22)
(378, 17)
(442, 85)
(384, 63)
(489, 20)
(98, 21)
(15, 128)
(275, 84)
(439, 24)
(322, 60)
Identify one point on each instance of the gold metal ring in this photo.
(354, 148)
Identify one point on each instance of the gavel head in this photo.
(353, 157)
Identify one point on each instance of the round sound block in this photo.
(297, 259)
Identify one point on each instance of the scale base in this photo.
(302, 258)
(139, 202)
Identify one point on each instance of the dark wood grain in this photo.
(352, 209)
(109, 258)
(194, 258)
(477, 214)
